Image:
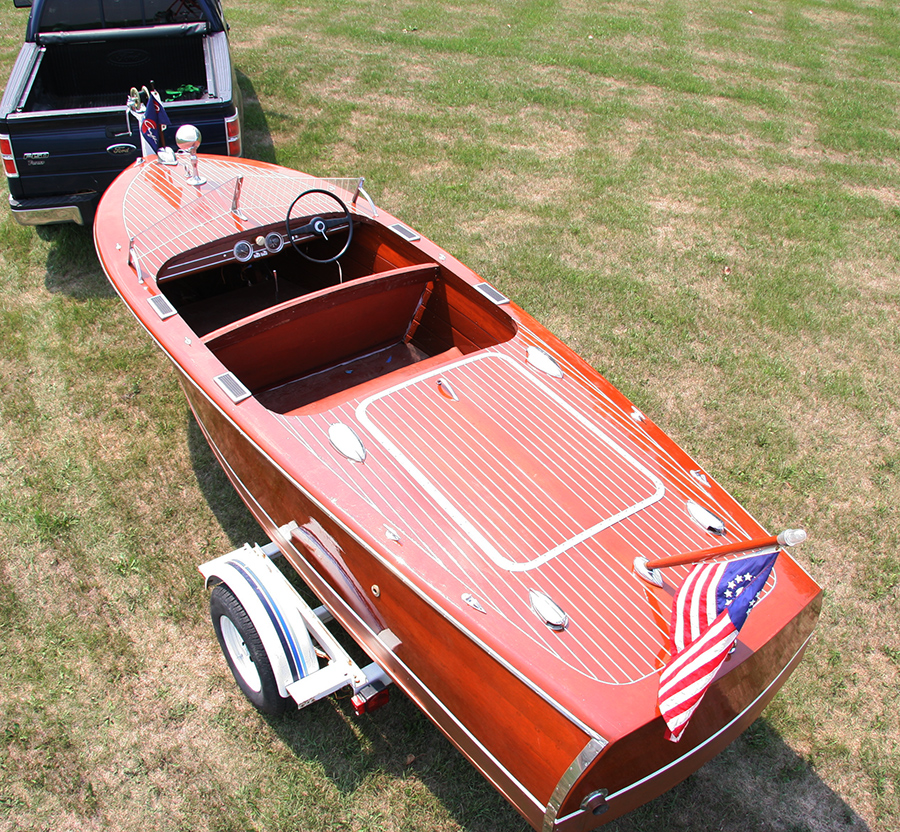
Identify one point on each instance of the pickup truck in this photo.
(64, 130)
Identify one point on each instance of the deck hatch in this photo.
(517, 448)
(233, 387)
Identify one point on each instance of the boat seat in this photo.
(297, 337)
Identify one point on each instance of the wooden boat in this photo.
(483, 512)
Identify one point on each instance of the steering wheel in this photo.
(319, 226)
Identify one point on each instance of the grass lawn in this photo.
(702, 198)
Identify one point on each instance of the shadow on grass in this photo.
(257, 137)
(400, 743)
(72, 265)
(758, 784)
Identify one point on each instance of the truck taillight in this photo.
(9, 161)
(233, 135)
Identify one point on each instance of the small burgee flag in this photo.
(152, 124)
(710, 608)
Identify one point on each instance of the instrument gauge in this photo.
(243, 251)
(274, 242)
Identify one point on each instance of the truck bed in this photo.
(84, 75)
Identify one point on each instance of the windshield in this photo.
(73, 15)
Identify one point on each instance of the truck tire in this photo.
(244, 652)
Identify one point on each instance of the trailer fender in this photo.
(266, 596)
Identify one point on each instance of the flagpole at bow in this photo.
(152, 121)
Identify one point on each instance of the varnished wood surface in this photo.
(518, 481)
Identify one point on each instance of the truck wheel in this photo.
(244, 652)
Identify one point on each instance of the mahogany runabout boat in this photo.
(497, 526)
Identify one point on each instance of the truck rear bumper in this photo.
(77, 208)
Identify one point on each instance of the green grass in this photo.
(701, 200)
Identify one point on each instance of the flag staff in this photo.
(649, 569)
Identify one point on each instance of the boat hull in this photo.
(538, 758)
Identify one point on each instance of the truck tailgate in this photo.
(67, 154)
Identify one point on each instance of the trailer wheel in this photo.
(244, 652)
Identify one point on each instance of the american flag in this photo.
(710, 608)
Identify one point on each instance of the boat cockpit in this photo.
(305, 311)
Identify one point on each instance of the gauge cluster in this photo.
(260, 246)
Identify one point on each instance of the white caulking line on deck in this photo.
(495, 514)
(605, 405)
(415, 433)
(617, 587)
(533, 630)
(677, 471)
(561, 460)
(564, 459)
(680, 478)
(573, 562)
(577, 465)
(525, 498)
(157, 245)
(498, 483)
(581, 659)
(619, 451)
(458, 517)
(643, 642)
(461, 519)
(520, 612)
(611, 649)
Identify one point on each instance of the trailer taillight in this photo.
(373, 696)
(233, 135)
(9, 161)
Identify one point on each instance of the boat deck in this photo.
(502, 479)
(505, 531)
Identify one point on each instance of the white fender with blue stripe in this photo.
(272, 604)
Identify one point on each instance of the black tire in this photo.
(243, 650)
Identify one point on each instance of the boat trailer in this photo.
(277, 646)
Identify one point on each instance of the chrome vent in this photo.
(698, 475)
(162, 307)
(705, 518)
(491, 293)
(233, 387)
(543, 361)
(345, 440)
(446, 390)
(548, 610)
(403, 231)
